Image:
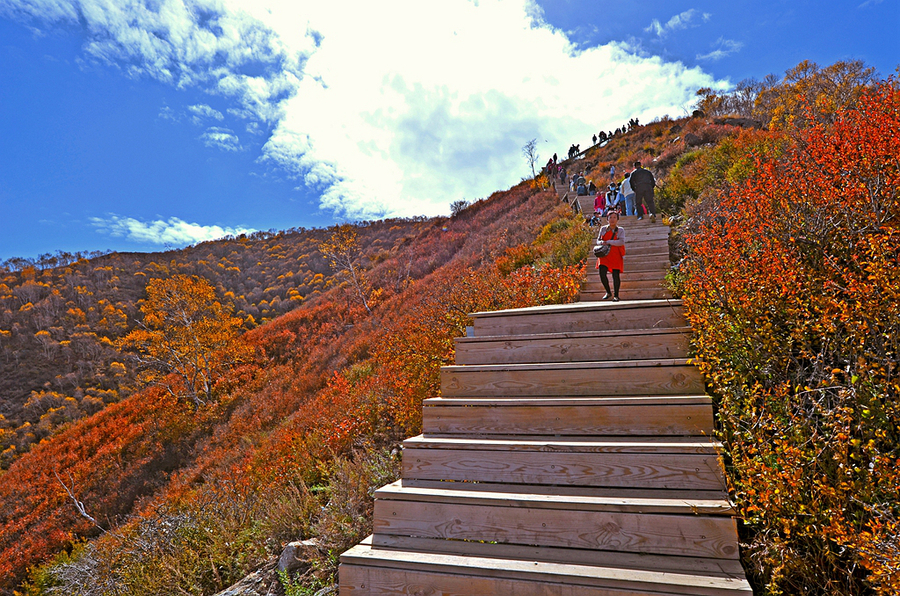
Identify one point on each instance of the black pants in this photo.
(644, 197)
(617, 281)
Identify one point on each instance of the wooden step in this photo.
(656, 275)
(626, 293)
(634, 250)
(580, 316)
(599, 463)
(593, 283)
(725, 568)
(651, 237)
(635, 265)
(582, 346)
(644, 280)
(418, 566)
(658, 258)
(679, 527)
(671, 376)
(687, 415)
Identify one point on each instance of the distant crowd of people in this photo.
(632, 196)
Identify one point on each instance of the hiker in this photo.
(613, 235)
(625, 189)
(599, 204)
(595, 139)
(592, 188)
(612, 173)
(613, 198)
(642, 182)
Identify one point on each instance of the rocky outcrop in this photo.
(737, 121)
(692, 140)
(294, 560)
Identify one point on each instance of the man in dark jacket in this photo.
(642, 183)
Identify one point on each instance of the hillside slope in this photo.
(325, 375)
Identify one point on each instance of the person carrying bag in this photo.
(611, 245)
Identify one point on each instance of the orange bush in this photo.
(792, 284)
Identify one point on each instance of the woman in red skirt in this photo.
(613, 235)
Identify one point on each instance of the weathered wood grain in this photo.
(574, 347)
(589, 418)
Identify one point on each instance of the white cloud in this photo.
(221, 138)
(724, 48)
(680, 21)
(205, 111)
(395, 107)
(173, 231)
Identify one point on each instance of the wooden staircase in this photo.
(570, 453)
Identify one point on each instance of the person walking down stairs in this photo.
(614, 236)
(643, 182)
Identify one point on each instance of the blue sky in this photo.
(140, 125)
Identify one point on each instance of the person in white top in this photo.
(629, 194)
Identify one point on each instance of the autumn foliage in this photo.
(186, 332)
(328, 382)
(792, 285)
(274, 423)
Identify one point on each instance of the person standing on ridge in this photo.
(613, 235)
(643, 182)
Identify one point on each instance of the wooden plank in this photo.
(626, 293)
(653, 445)
(642, 470)
(686, 330)
(569, 498)
(648, 495)
(618, 378)
(560, 401)
(594, 316)
(596, 419)
(724, 568)
(593, 282)
(661, 253)
(670, 534)
(367, 570)
(564, 308)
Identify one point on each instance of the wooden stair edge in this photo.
(726, 568)
(574, 400)
(460, 569)
(513, 496)
(573, 491)
(580, 365)
(688, 445)
(579, 307)
(681, 330)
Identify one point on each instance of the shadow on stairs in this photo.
(570, 453)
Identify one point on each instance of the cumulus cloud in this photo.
(174, 231)
(723, 48)
(396, 107)
(221, 138)
(680, 21)
(201, 111)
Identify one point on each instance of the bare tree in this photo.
(79, 505)
(530, 153)
(343, 251)
(457, 207)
